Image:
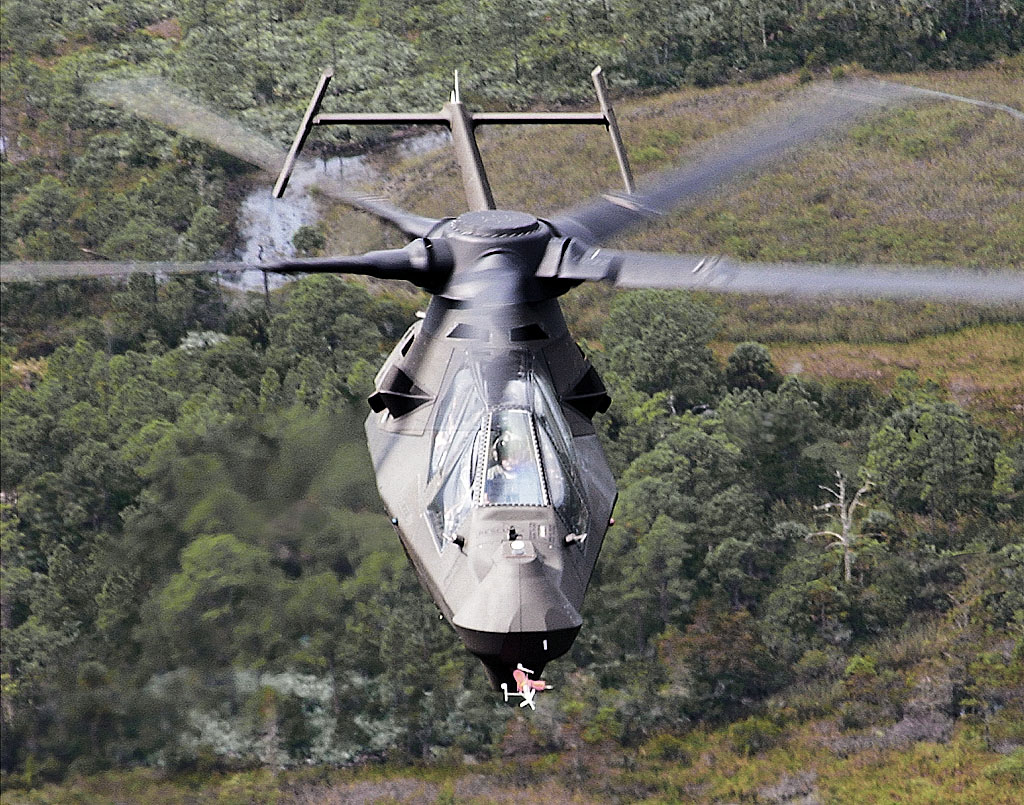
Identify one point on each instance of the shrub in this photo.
(813, 664)
(857, 715)
(860, 666)
(604, 726)
(1009, 770)
(753, 735)
(668, 747)
(308, 241)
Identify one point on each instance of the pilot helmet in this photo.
(511, 448)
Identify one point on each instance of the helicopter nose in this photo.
(501, 654)
(518, 593)
(517, 613)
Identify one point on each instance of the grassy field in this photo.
(982, 368)
(703, 767)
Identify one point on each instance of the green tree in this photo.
(808, 607)
(309, 241)
(633, 424)
(742, 567)
(932, 458)
(659, 340)
(204, 235)
(677, 502)
(216, 608)
(773, 430)
(47, 205)
(140, 238)
(750, 366)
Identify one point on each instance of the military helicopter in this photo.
(481, 430)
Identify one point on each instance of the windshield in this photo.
(501, 441)
(513, 475)
(561, 464)
(452, 456)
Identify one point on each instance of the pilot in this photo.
(510, 457)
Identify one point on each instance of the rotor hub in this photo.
(495, 224)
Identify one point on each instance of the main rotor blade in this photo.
(156, 100)
(423, 262)
(163, 103)
(811, 113)
(725, 275)
(37, 271)
(417, 226)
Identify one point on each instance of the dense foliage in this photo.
(196, 569)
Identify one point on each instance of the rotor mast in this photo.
(474, 175)
(462, 124)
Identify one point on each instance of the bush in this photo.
(814, 663)
(753, 735)
(1009, 770)
(604, 726)
(861, 666)
(308, 241)
(857, 715)
(668, 747)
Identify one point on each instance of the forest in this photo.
(202, 598)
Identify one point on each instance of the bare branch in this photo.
(845, 508)
(831, 491)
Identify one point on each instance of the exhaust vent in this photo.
(589, 395)
(399, 394)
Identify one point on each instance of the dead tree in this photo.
(847, 540)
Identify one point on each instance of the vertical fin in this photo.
(303, 132)
(613, 129)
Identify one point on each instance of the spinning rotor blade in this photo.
(162, 103)
(417, 226)
(813, 112)
(422, 262)
(725, 275)
(158, 101)
(38, 271)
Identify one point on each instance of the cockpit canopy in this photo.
(500, 439)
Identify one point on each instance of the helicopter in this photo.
(481, 427)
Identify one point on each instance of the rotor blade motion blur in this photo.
(725, 275)
(811, 113)
(162, 103)
(38, 271)
(422, 262)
